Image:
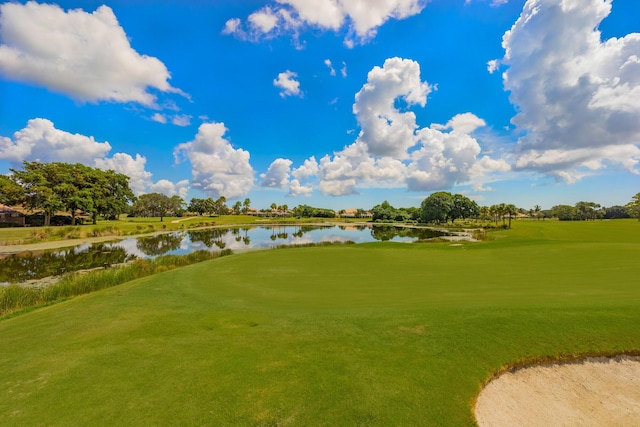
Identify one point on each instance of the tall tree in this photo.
(209, 206)
(587, 210)
(463, 207)
(11, 193)
(220, 206)
(633, 207)
(512, 211)
(237, 207)
(177, 205)
(536, 210)
(38, 181)
(154, 204)
(564, 212)
(437, 207)
(111, 194)
(246, 205)
(197, 205)
(72, 187)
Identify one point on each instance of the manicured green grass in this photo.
(372, 334)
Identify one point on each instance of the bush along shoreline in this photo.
(15, 299)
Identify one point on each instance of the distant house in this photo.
(12, 214)
(355, 213)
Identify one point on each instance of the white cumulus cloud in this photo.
(168, 188)
(578, 96)
(308, 169)
(86, 56)
(41, 141)
(218, 169)
(385, 130)
(329, 65)
(134, 168)
(362, 18)
(392, 150)
(277, 176)
(297, 189)
(288, 84)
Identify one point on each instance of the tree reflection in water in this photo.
(37, 265)
(33, 265)
(160, 244)
(388, 232)
(211, 237)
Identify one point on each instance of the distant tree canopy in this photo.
(616, 212)
(10, 192)
(208, 205)
(305, 211)
(386, 212)
(442, 206)
(157, 204)
(74, 188)
(633, 207)
(580, 212)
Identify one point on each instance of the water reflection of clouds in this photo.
(129, 245)
(236, 239)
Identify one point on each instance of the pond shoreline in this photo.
(59, 244)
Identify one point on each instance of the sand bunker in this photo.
(596, 391)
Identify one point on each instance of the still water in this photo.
(37, 265)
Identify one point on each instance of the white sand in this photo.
(595, 391)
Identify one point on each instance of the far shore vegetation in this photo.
(58, 201)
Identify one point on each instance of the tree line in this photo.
(76, 188)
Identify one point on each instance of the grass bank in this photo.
(138, 226)
(15, 298)
(371, 334)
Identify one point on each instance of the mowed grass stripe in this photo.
(375, 334)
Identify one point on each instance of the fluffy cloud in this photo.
(332, 70)
(86, 56)
(139, 178)
(391, 150)
(134, 168)
(385, 130)
(288, 83)
(263, 20)
(297, 189)
(462, 123)
(277, 175)
(180, 188)
(41, 141)
(444, 159)
(494, 3)
(361, 17)
(160, 118)
(181, 120)
(493, 65)
(176, 119)
(218, 169)
(576, 95)
(308, 169)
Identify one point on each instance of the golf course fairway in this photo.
(370, 334)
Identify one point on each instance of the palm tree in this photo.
(537, 210)
(511, 210)
(246, 205)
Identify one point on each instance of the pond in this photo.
(25, 266)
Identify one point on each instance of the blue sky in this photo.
(332, 103)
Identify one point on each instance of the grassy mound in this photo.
(372, 334)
